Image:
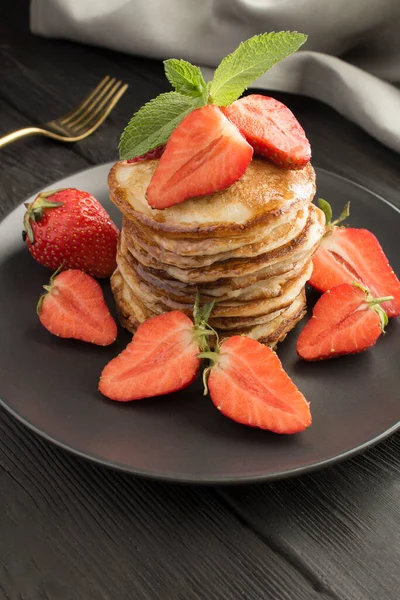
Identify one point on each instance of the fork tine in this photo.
(95, 113)
(92, 126)
(77, 109)
(71, 124)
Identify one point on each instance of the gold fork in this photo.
(82, 120)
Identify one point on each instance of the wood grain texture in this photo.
(71, 530)
(342, 524)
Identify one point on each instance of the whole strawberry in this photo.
(69, 227)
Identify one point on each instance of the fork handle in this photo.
(18, 134)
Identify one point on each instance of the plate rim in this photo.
(204, 480)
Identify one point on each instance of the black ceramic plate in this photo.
(51, 384)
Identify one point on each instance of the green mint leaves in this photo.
(249, 61)
(152, 125)
(186, 78)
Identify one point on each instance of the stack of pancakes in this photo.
(248, 247)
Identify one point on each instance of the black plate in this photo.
(51, 384)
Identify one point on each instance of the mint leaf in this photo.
(249, 61)
(152, 125)
(185, 78)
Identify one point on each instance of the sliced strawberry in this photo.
(347, 255)
(205, 154)
(346, 320)
(161, 358)
(272, 129)
(151, 155)
(74, 307)
(248, 384)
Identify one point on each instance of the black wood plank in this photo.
(343, 524)
(73, 531)
(29, 165)
(43, 79)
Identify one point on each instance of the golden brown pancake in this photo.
(275, 238)
(248, 248)
(237, 267)
(260, 196)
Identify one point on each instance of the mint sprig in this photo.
(249, 61)
(152, 125)
(186, 78)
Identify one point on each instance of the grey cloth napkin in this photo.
(351, 60)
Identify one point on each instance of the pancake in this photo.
(260, 196)
(269, 287)
(305, 241)
(249, 248)
(158, 302)
(189, 246)
(132, 313)
(275, 238)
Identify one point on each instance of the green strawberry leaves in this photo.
(327, 210)
(152, 125)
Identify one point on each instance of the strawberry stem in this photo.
(343, 215)
(48, 288)
(35, 211)
(202, 329)
(327, 210)
(380, 300)
(374, 304)
(206, 374)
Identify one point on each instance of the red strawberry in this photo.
(69, 227)
(248, 384)
(151, 155)
(204, 154)
(161, 358)
(347, 254)
(272, 129)
(346, 320)
(74, 307)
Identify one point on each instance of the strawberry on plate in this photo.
(271, 129)
(345, 320)
(161, 358)
(69, 227)
(204, 154)
(74, 307)
(348, 254)
(247, 383)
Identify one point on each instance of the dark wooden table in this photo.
(71, 530)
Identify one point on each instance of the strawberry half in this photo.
(161, 358)
(74, 307)
(247, 383)
(348, 254)
(70, 227)
(272, 129)
(346, 320)
(204, 154)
